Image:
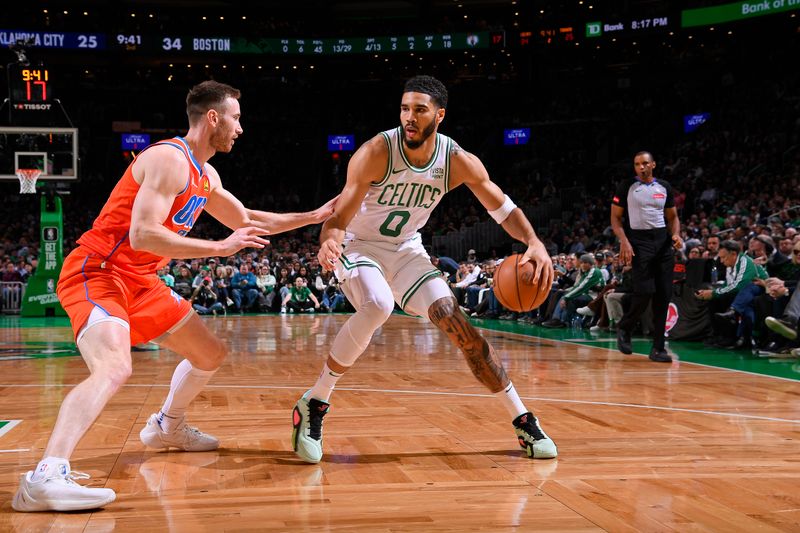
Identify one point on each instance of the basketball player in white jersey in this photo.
(372, 242)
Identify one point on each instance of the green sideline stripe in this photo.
(7, 425)
(688, 352)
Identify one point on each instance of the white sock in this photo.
(511, 401)
(187, 382)
(326, 381)
(46, 467)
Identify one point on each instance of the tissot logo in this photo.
(33, 107)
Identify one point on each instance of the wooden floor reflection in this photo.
(414, 443)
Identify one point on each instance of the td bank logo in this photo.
(594, 29)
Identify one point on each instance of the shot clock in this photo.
(31, 95)
(29, 85)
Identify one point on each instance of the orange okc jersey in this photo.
(104, 276)
(108, 237)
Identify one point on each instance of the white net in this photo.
(27, 180)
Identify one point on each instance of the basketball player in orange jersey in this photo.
(372, 242)
(114, 299)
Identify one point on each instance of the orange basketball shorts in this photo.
(87, 282)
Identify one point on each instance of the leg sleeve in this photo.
(370, 294)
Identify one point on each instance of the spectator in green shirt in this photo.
(590, 279)
(733, 300)
(300, 298)
(166, 277)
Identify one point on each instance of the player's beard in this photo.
(424, 134)
(220, 141)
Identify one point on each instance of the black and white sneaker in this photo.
(532, 438)
(307, 418)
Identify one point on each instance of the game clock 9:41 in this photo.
(29, 84)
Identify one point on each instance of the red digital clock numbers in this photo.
(30, 85)
(35, 84)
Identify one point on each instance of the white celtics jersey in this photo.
(398, 205)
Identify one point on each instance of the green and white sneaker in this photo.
(532, 438)
(307, 433)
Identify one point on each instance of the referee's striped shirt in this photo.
(644, 203)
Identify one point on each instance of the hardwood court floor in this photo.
(413, 443)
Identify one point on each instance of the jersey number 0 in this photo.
(394, 223)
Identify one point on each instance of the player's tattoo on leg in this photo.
(480, 356)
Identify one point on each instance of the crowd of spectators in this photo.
(283, 278)
(735, 181)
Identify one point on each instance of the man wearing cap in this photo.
(651, 229)
(600, 262)
(590, 279)
(204, 272)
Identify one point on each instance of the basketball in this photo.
(513, 285)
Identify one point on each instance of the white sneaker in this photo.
(585, 311)
(597, 329)
(59, 492)
(184, 437)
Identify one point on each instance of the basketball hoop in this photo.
(27, 179)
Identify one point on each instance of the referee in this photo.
(650, 232)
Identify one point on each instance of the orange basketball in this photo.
(513, 285)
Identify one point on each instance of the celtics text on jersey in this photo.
(398, 205)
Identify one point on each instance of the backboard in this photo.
(54, 151)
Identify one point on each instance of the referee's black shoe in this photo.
(660, 355)
(624, 341)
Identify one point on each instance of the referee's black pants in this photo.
(653, 262)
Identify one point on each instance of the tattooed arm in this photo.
(480, 356)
